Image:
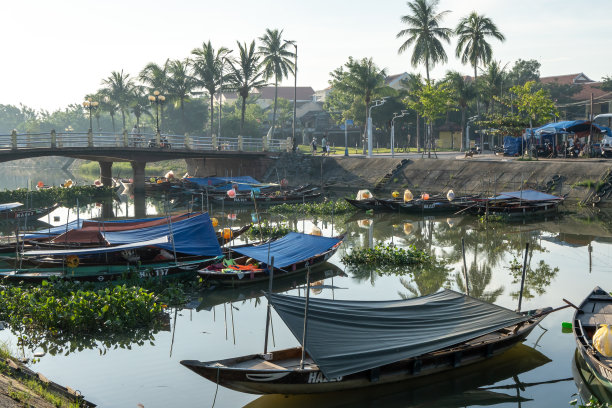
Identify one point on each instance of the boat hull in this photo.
(594, 310)
(104, 273)
(280, 380)
(26, 214)
(368, 204)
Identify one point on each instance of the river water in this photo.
(569, 255)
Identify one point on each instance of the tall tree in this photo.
(119, 88)
(180, 86)
(494, 79)
(246, 74)
(362, 79)
(425, 34)
(208, 70)
(472, 46)
(464, 93)
(140, 104)
(523, 71)
(277, 62)
(413, 83)
(155, 77)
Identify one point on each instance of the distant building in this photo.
(580, 108)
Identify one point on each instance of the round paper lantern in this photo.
(227, 233)
(231, 193)
(214, 222)
(152, 179)
(395, 194)
(316, 231)
(450, 195)
(408, 196)
(40, 184)
(425, 196)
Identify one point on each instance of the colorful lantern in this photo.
(450, 195)
(395, 194)
(315, 231)
(227, 233)
(231, 193)
(40, 184)
(231, 217)
(602, 340)
(284, 182)
(425, 196)
(408, 196)
(214, 222)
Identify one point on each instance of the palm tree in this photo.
(276, 62)
(119, 89)
(208, 67)
(425, 34)
(493, 81)
(140, 105)
(107, 105)
(246, 74)
(472, 46)
(155, 77)
(464, 92)
(362, 79)
(180, 85)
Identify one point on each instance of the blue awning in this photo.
(526, 195)
(98, 250)
(193, 236)
(570, 126)
(291, 248)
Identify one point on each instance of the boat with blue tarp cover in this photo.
(292, 254)
(523, 203)
(356, 344)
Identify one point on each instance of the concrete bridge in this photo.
(235, 154)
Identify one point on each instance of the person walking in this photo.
(313, 145)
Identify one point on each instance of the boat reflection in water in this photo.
(588, 385)
(321, 277)
(460, 387)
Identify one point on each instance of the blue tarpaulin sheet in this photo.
(513, 146)
(245, 183)
(99, 250)
(527, 195)
(571, 126)
(291, 248)
(193, 236)
(59, 230)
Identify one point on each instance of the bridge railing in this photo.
(61, 140)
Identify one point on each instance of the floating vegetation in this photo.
(52, 195)
(268, 231)
(483, 219)
(69, 307)
(386, 255)
(323, 208)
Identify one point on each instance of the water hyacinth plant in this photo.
(269, 231)
(386, 255)
(64, 196)
(322, 208)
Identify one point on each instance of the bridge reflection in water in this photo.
(138, 149)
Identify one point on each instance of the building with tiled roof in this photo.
(580, 107)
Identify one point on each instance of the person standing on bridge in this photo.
(135, 133)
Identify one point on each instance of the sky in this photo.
(55, 52)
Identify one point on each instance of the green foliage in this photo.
(67, 307)
(432, 101)
(64, 196)
(524, 70)
(267, 231)
(592, 403)
(535, 105)
(323, 208)
(386, 255)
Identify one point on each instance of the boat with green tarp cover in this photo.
(356, 344)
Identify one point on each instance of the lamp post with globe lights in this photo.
(90, 105)
(157, 98)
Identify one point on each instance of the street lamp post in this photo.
(90, 105)
(467, 132)
(294, 91)
(395, 116)
(376, 103)
(157, 99)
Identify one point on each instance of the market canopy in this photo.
(526, 195)
(571, 126)
(291, 248)
(345, 337)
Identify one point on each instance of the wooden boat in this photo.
(434, 204)
(588, 385)
(368, 204)
(104, 273)
(596, 309)
(525, 203)
(379, 334)
(10, 212)
(464, 386)
(293, 254)
(270, 199)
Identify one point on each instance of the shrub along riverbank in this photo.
(59, 195)
(324, 208)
